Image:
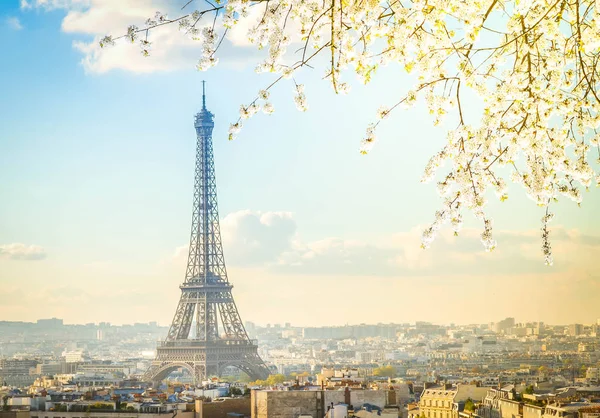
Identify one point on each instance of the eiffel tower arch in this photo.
(207, 334)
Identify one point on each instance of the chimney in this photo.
(347, 395)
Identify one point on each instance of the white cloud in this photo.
(257, 237)
(278, 273)
(238, 33)
(14, 23)
(19, 251)
(170, 49)
(271, 240)
(53, 4)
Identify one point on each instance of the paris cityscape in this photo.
(50, 368)
(164, 254)
(208, 363)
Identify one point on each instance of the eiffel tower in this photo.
(194, 342)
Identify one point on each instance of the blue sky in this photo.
(96, 171)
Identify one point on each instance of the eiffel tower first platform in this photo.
(207, 333)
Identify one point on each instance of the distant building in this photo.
(227, 408)
(481, 344)
(593, 374)
(49, 369)
(441, 401)
(91, 381)
(331, 378)
(17, 366)
(504, 325)
(519, 330)
(585, 347)
(589, 412)
(495, 404)
(364, 357)
(74, 356)
(14, 414)
(113, 414)
(563, 411)
(17, 372)
(575, 330)
(50, 323)
(121, 369)
(315, 403)
(532, 411)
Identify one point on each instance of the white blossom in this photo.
(268, 108)
(383, 112)
(234, 129)
(369, 140)
(107, 41)
(486, 236)
(206, 63)
(300, 98)
(532, 63)
(263, 94)
(132, 33)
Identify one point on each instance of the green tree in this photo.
(275, 379)
(385, 371)
(102, 406)
(470, 405)
(529, 390)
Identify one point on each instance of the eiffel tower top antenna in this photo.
(203, 95)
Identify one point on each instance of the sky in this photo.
(96, 177)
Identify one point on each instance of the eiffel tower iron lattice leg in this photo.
(195, 342)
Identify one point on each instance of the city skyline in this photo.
(595, 321)
(97, 194)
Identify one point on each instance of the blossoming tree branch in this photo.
(534, 63)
